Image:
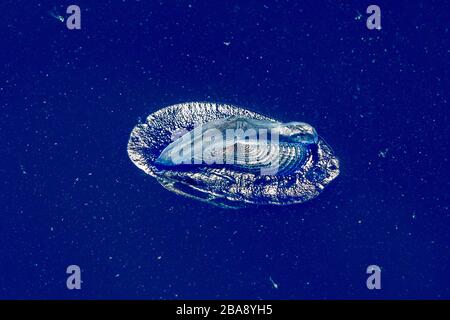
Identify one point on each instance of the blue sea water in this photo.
(70, 195)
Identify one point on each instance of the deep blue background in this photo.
(70, 195)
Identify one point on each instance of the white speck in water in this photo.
(274, 284)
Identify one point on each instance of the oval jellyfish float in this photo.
(232, 157)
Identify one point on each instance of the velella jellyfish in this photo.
(232, 157)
